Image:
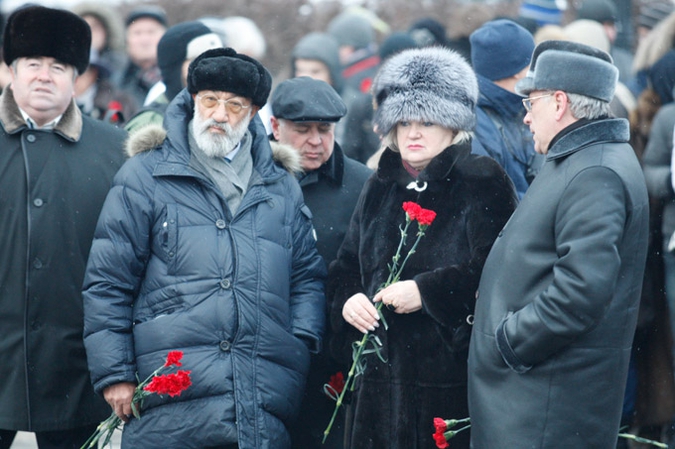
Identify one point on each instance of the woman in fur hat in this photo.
(425, 102)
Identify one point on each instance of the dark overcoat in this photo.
(425, 376)
(52, 187)
(559, 297)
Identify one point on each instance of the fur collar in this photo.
(391, 168)
(152, 136)
(597, 131)
(70, 125)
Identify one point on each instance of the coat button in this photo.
(225, 345)
(31, 138)
(37, 264)
(220, 224)
(37, 202)
(35, 325)
(225, 283)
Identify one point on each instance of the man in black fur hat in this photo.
(57, 167)
(204, 245)
(559, 293)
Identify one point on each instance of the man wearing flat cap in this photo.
(304, 115)
(56, 168)
(558, 298)
(205, 245)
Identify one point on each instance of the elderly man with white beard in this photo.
(205, 245)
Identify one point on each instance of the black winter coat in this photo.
(559, 299)
(52, 187)
(394, 403)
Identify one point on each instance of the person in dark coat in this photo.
(205, 245)
(304, 115)
(559, 294)
(57, 166)
(501, 51)
(177, 48)
(425, 107)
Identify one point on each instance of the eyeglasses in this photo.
(527, 102)
(232, 106)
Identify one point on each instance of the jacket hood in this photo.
(501, 100)
(110, 20)
(153, 136)
(655, 44)
(321, 47)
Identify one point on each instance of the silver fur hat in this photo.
(430, 84)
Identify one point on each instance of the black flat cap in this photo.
(304, 99)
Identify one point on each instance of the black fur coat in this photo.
(394, 404)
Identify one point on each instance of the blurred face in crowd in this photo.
(143, 35)
(220, 121)
(43, 87)
(313, 68)
(420, 142)
(313, 140)
(99, 35)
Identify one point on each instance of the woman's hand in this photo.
(401, 297)
(361, 313)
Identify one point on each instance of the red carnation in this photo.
(412, 209)
(439, 425)
(174, 358)
(337, 382)
(439, 438)
(425, 217)
(172, 384)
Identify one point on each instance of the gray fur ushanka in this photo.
(430, 85)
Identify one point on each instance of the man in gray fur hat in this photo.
(205, 245)
(559, 293)
(57, 166)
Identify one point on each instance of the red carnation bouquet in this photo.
(172, 384)
(370, 343)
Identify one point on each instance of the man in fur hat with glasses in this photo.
(56, 167)
(205, 245)
(558, 296)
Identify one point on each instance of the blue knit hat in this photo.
(500, 49)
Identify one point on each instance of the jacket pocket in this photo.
(168, 238)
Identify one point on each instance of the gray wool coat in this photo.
(558, 300)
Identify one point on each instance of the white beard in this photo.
(217, 145)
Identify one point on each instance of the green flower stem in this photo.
(105, 430)
(637, 439)
(451, 433)
(395, 271)
(394, 275)
(450, 423)
(349, 383)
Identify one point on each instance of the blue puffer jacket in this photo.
(501, 131)
(242, 296)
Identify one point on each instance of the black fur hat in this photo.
(224, 69)
(55, 33)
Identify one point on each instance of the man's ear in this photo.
(562, 105)
(275, 127)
